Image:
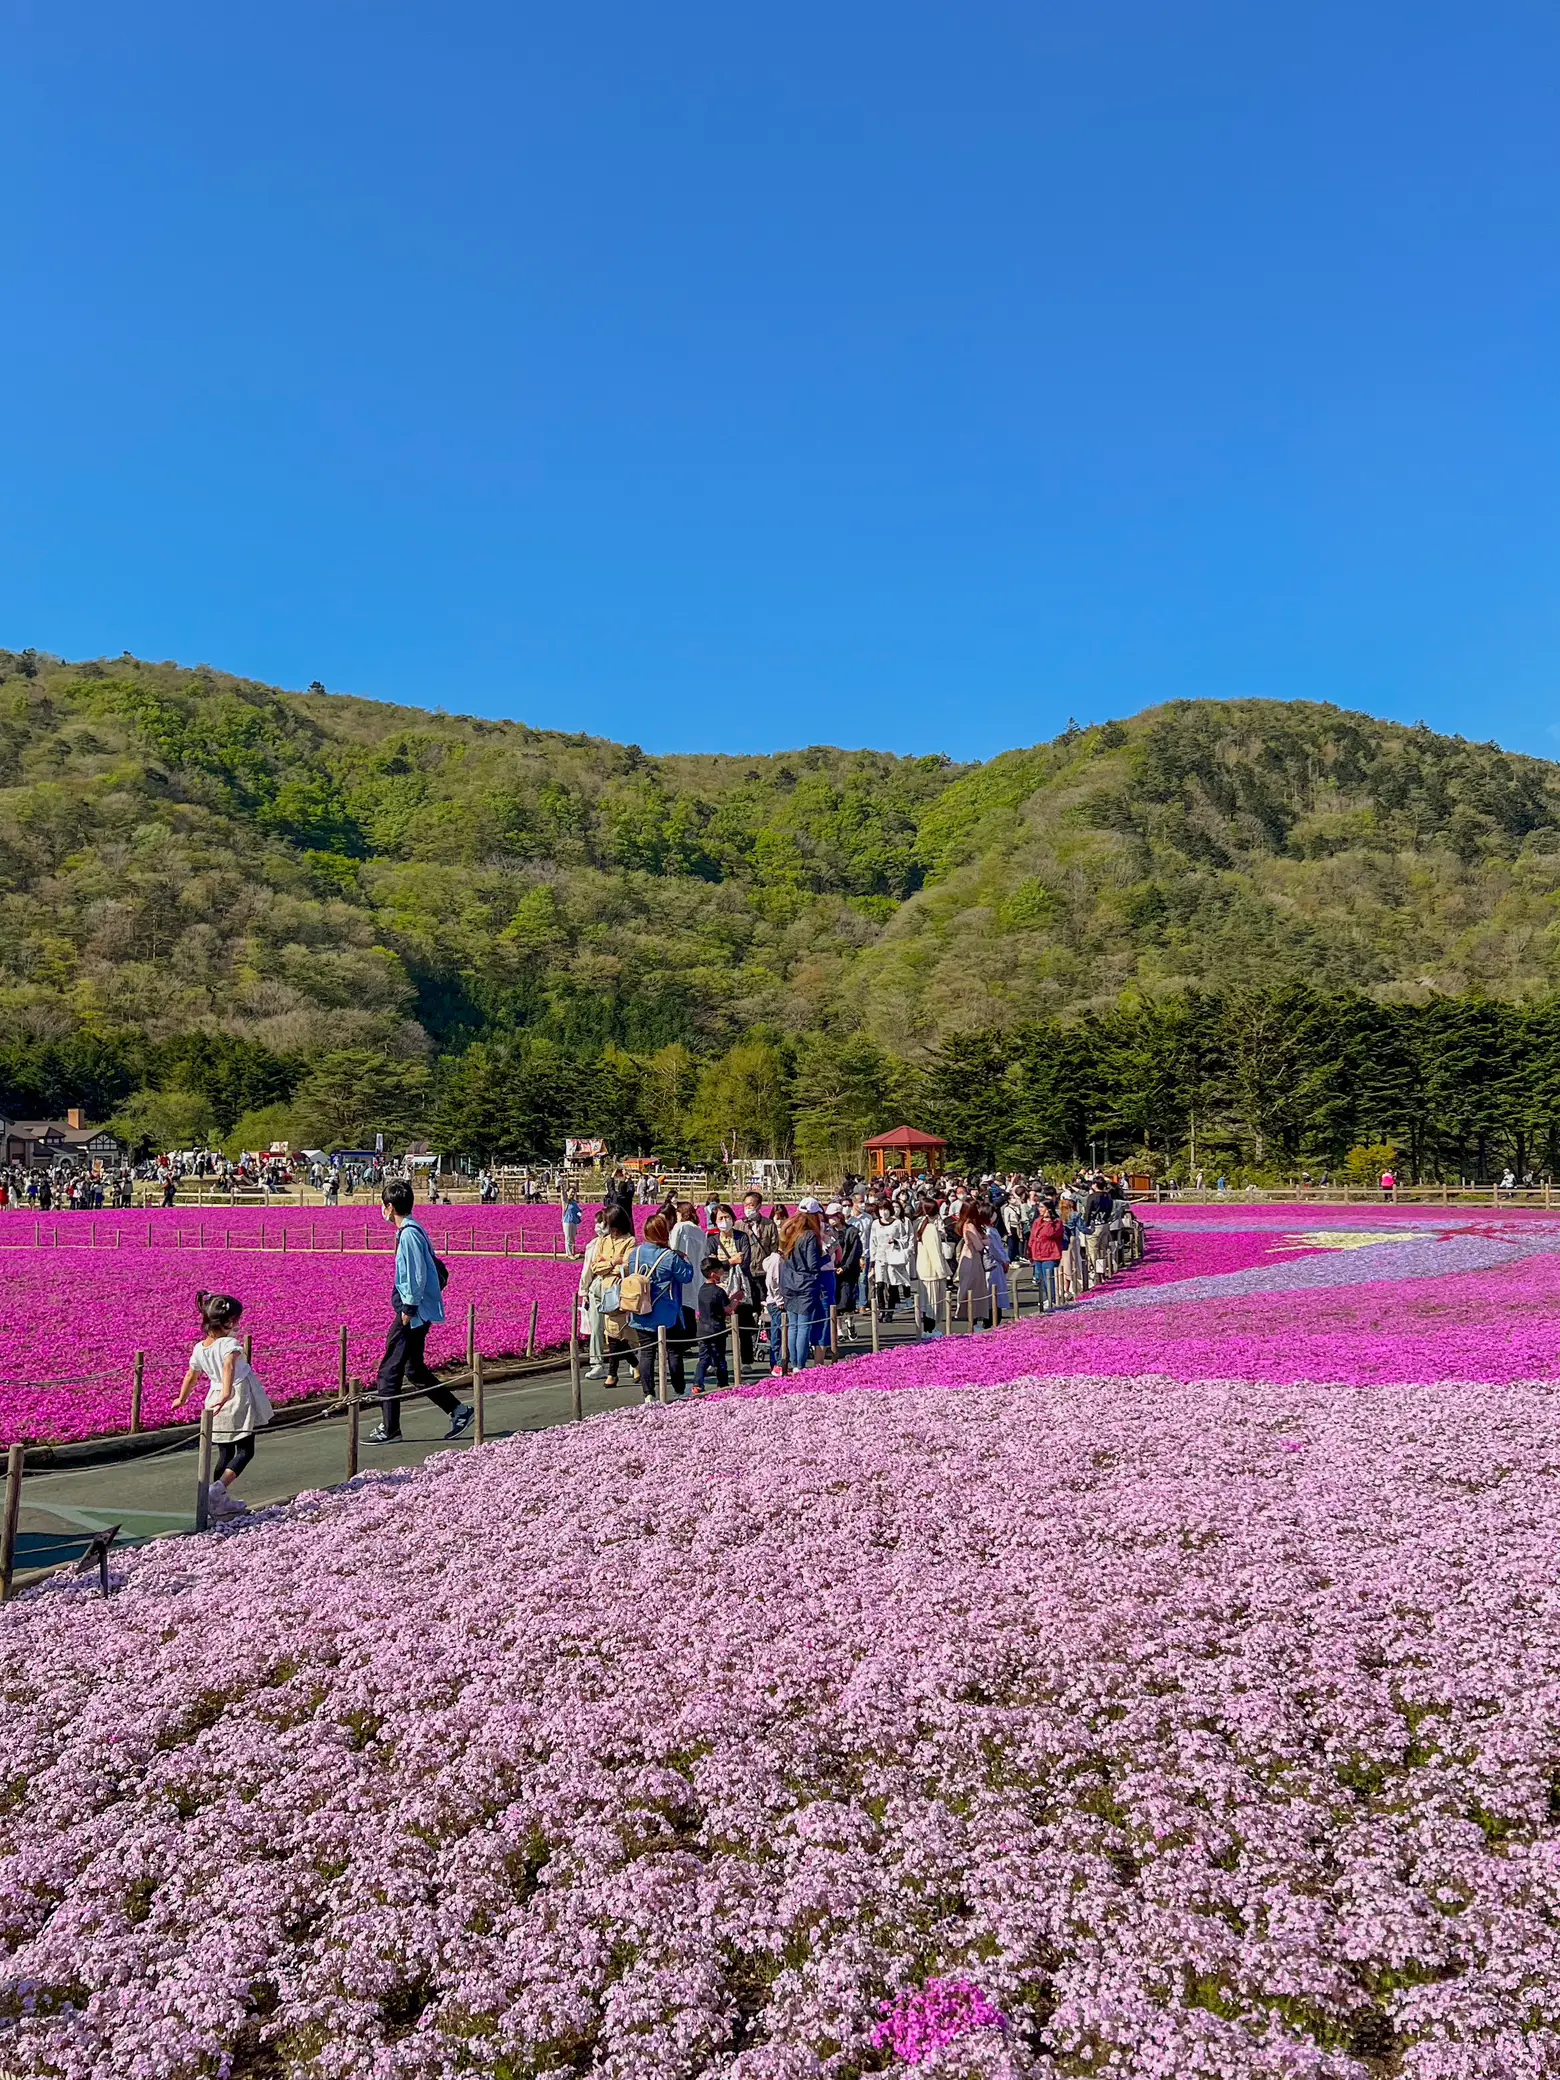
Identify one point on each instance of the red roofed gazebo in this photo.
(903, 1145)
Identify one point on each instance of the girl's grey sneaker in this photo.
(461, 1421)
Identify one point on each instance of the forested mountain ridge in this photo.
(180, 849)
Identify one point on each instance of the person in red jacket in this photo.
(1046, 1239)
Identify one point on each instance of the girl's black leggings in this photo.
(234, 1456)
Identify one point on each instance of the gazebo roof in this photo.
(905, 1137)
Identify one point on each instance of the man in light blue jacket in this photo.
(418, 1301)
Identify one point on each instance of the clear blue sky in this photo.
(728, 378)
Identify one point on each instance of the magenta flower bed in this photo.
(71, 1326)
(354, 1224)
(1055, 1729)
(1476, 1299)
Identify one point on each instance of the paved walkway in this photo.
(154, 1495)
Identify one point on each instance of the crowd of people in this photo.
(63, 1187)
(796, 1282)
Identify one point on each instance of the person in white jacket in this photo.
(890, 1254)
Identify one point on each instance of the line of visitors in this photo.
(934, 1244)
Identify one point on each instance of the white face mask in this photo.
(725, 1227)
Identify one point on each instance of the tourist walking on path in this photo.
(595, 1327)
(931, 1272)
(237, 1400)
(890, 1251)
(801, 1261)
(608, 1256)
(735, 1250)
(571, 1223)
(1047, 1238)
(763, 1230)
(418, 1300)
(714, 1315)
(655, 1279)
(974, 1284)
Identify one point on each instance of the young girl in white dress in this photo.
(233, 1394)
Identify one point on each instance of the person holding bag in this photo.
(609, 1254)
(651, 1295)
(735, 1250)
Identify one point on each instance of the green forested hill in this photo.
(187, 854)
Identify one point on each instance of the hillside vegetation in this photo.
(201, 865)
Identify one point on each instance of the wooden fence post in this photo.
(947, 1307)
(530, 1334)
(249, 1349)
(352, 1428)
(478, 1402)
(969, 1309)
(135, 1393)
(576, 1384)
(663, 1371)
(785, 1340)
(471, 1333)
(872, 1295)
(736, 1349)
(203, 1474)
(14, 1460)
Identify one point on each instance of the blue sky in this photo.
(725, 378)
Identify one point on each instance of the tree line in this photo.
(1258, 1083)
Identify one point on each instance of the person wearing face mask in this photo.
(588, 1302)
(845, 1239)
(688, 1240)
(763, 1233)
(418, 1300)
(733, 1247)
(889, 1259)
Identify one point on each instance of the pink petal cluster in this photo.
(679, 1742)
(925, 2018)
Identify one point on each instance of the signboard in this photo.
(379, 1144)
(587, 1151)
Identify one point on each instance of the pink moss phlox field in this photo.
(95, 1290)
(1273, 1306)
(683, 1741)
(321, 1227)
(65, 1317)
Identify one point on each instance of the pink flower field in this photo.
(74, 1316)
(1383, 1294)
(1038, 1729)
(1308, 1296)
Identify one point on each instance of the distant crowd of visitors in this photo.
(63, 1187)
(795, 1282)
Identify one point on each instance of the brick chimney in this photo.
(73, 1116)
